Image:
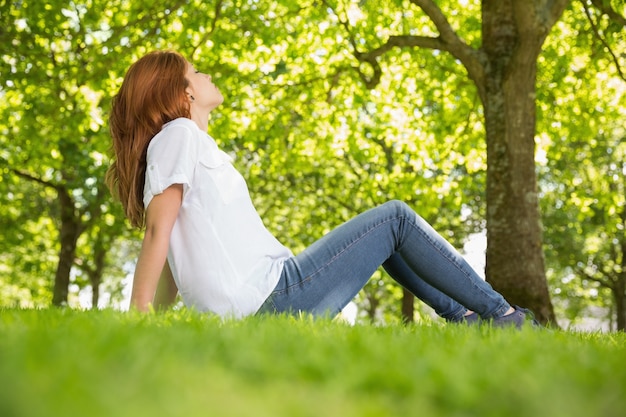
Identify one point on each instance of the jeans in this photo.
(326, 276)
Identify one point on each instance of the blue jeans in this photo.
(326, 276)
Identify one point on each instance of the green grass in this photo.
(113, 364)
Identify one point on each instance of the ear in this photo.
(189, 92)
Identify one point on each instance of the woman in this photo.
(203, 234)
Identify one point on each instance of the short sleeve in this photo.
(171, 159)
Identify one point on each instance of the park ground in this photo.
(181, 363)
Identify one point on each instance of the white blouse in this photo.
(222, 257)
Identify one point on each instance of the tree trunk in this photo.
(408, 306)
(619, 289)
(95, 293)
(619, 294)
(95, 275)
(68, 237)
(372, 306)
(515, 262)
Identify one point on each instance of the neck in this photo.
(201, 119)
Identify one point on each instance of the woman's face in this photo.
(205, 94)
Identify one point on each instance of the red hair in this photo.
(152, 94)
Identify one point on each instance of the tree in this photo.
(56, 77)
(582, 168)
(331, 108)
(503, 69)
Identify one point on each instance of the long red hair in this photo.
(152, 94)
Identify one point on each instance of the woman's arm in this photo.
(160, 217)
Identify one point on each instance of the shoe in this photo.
(471, 319)
(516, 318)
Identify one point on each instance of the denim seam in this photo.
(271, 302)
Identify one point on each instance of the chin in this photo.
(215, 105)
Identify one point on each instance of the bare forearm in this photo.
(148, 271)
(160, 218)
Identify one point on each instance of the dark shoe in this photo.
(471, 319)
(516, 318)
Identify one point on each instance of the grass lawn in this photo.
(105, 363)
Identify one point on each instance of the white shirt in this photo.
(222, 257)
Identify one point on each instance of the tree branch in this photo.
(601, 282)
(218, 13)
(435, 14)
(403, 41)
(557, 9)
(538, 15)
(605, 7)
(38, 180)
(448, 41)
(369, 81)
(596, 32)
(472, 59)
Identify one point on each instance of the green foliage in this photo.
(317, 135)
(582, 165)
(57, 80)
(315, 143)
(71, 363)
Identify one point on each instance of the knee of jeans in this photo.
(398, 206)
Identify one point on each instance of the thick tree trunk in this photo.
(515, 262)
(70, 230)
(408, 306)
